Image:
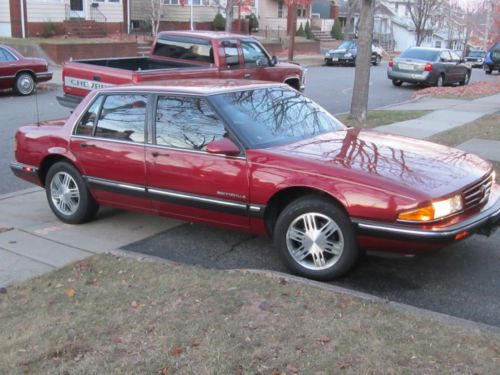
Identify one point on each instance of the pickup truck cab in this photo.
(181, 55)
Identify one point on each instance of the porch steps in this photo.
(143, 47)
(322, 36)
(84, 28)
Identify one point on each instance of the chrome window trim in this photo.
(195, 151)
(197, 198)
(108, 140)
(102, 181)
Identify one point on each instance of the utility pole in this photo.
(489, 7)
(292, 24)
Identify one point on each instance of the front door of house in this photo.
(76, 9)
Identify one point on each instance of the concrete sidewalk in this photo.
(33, 241)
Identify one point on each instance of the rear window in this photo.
(421, 54)
(193, 49)
(476, 54)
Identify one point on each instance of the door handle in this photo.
(84, 145)
(247, 75)
(156, 154)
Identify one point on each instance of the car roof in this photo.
(205, 34)
(195, 86)
(430, 49)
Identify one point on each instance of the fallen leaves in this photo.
(343, 365)
(164, 370)
(176, 351)
(70, 292)
(473, 90)
(3, 230)
(136, 305)
(324, 340)
(292, 369)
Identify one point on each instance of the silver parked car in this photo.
(428, 66)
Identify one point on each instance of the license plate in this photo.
(406, 66)
(335, 59)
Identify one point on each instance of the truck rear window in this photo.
(185, 48)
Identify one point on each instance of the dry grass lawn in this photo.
(117, 315)
(380, 117)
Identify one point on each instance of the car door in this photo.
(257, 63)
(8, 69)
(108, 142)
(459, 68)
(447, 66)
(184, 180)
(230, 60)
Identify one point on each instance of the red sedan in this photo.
(263, 158)
(21, 73)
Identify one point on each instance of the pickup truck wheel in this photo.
(68, 196)
(316, 239)
(25, 84)
(487, 69)
(396, 82)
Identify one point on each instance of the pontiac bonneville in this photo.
(262, 158)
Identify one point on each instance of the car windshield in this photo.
(476, 54)
(420, 54)
(347, 45)
(274, 116)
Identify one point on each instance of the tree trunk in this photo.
(359, 103)
(229, 16)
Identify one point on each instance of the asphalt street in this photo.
(331, 87)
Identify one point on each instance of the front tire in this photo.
(396, 82)
(440, 81)
(316, 239)
(25, 84)
(67, 194)
(487, 69)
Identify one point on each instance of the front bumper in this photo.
(484, 222)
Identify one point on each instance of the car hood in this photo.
(388, 161)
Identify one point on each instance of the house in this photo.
(273, 14)
(84, 18)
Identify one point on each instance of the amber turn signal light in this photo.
(421, 214)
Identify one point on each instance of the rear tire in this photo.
(396, 82)
(67, 194)
(466, 79)
(487, 69)
(440, 81)
(316, 239)
(25, 84)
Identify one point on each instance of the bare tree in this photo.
(157, 12)
(359, 103)
(421, 12)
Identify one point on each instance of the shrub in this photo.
(336, 32)
(253, 22)
(301, 32)
(219, 22)
(307, 30)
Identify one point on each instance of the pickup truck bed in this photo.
(138, 63)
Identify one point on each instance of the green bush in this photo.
(307, 30)
(219, 22)
(253, 21)
(336, 32)
(301, 32)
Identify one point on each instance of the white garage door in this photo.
(5, 29)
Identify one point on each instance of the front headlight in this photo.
(327, 54)
(436, 210)
(348, 55)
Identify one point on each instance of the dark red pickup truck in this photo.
(181, 55)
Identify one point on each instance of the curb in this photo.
(401, 307)
(20, 193)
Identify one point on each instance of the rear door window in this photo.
(6, 55)
(87, 122)
(123, 117)
(445, 56)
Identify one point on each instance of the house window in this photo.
(171, 2)
(438, 44)
(301, 11)
(280, 9)
(397, 7)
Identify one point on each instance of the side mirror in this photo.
(223, 146)
(274, 60)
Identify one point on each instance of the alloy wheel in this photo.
(64, 193)
(315, 241)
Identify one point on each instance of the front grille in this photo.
(478, 193)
